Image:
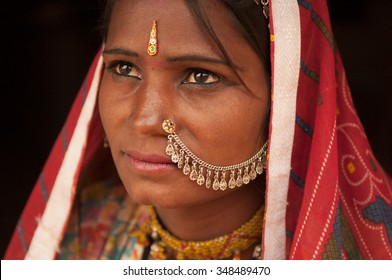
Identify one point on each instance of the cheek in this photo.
(228, 132)
(244, 129)
(105, 110)
(242, 123)
(112, 111)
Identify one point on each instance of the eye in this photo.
(125, 69)
(199, 76)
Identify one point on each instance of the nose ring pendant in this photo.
(212, 176)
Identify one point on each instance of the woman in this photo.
(188, 100)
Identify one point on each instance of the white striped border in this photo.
(50, 228)
(287, 33)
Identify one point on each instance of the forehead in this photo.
(178, 30)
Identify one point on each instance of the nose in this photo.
(153, 103)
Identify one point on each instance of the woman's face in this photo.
(187, 81)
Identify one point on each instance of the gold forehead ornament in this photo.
(152, 48)
(212, 176)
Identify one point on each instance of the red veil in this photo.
(327, 197)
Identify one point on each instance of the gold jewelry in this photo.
(208, 174)
(227, 246)
(168, 126)
(153, 41)
(265, 6)
(105, 142)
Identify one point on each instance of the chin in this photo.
(184, 194)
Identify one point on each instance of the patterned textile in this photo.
(105, 225)
(338, 198)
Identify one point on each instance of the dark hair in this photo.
(247, 16)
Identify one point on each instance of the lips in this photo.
(149, 162)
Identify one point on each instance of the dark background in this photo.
(47, 47)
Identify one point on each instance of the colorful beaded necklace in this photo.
(224, 247)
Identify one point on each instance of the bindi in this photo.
(153, 41)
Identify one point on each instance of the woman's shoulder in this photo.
(102, 224)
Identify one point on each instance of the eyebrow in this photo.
(196, 58)
(201, 59)
(180, 58)
(121, 51)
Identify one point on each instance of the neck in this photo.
(214, 218)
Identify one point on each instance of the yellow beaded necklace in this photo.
(224, 247)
